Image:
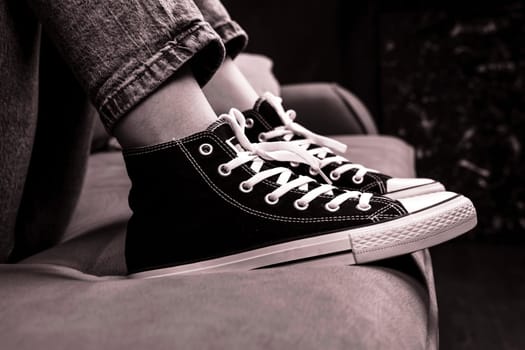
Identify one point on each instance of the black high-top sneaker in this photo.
(269, 121)
(212, 201)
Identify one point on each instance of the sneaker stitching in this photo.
(148, 149)
(378, 182)
(152, 148)
(387, 216)
(233, 202)
(380, 212)
(263, 121)
(367, 187)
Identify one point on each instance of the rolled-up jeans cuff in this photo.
(199, 45)
(233, 36)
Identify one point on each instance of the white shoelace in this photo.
(282, 152)
(322, 145)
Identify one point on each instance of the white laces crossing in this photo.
(322, 148)
(282, 152)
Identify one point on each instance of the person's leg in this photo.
(228, 87)
(176, 110)
(130, 56)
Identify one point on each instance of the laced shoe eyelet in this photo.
(357, 179)
(249, 123)
(313, 172)
(205, 149)
(245, 187)
(270, 199)
(300, 205)
(331, 208)
(224, 170)
(335, 176)
(363, 207)
(261, 137)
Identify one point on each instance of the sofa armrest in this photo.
(328, 108)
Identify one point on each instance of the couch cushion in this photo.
(388, 154)
(328, 108)
(295, 307)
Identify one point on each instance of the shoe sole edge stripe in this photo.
(392, 238)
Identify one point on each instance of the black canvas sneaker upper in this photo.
(269, 121)
(213, 195)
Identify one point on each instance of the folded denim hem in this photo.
(199, 45)
(235, 39)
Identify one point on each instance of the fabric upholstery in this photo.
(333, 307)
(328, 108)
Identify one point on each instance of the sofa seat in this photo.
(76, 295)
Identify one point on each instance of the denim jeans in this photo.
(113, 52)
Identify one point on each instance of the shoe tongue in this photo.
(268, 112)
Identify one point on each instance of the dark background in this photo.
(448, 77)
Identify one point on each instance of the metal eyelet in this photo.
(335, 176)
(357, 179)
(313, 172)
(294, 164)
(331, 208)
(249, 123)
(224, 170)
(270, 199)
(300, 205)
(244, 187)
(261, 137)
(363, 207)
(205, 149)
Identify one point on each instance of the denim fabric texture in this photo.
(122, 50)
(119, 52)
(233, 36)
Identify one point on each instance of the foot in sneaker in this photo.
(269, 121)
(212, 202)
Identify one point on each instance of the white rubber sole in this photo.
(407, 234)
(416, 190)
